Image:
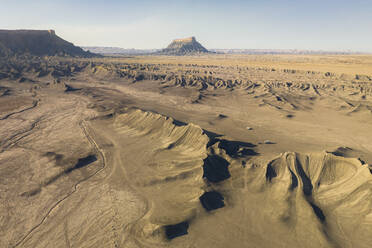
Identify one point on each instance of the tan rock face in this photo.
(190, 39)
(184, 46)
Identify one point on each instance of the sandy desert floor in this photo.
(209, 151)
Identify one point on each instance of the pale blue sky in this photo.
(280, 24)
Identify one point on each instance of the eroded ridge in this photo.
(317, 191)
(180, 163)
(335, 188)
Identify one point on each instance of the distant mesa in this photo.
(178, 47)
(37, 43)
(187, 46)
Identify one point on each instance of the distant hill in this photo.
(37, 43)
(191, 46)
(279, 51)
(188, 46)
(118, 50)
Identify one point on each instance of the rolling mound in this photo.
(37, 43)
(187, 46)
(179, 182)
(172, 181)
(336, 189)
(195, 187)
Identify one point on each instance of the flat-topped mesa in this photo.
(186, 46)
(37, 43)
(190, 39)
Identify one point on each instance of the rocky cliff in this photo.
(187, 46)
(37, 43)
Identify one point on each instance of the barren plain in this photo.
(192, 151)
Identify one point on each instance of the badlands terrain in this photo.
(194, 151)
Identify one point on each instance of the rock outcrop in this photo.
(187, 46)
(37, 43)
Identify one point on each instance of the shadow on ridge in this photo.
(212, 200)
(82, 162)
(174, 231)
(237, 148)
(215, 168)
(179, 123)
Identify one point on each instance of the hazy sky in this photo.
(277, 24)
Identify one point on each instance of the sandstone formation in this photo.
(37, 43)
(187, 46)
